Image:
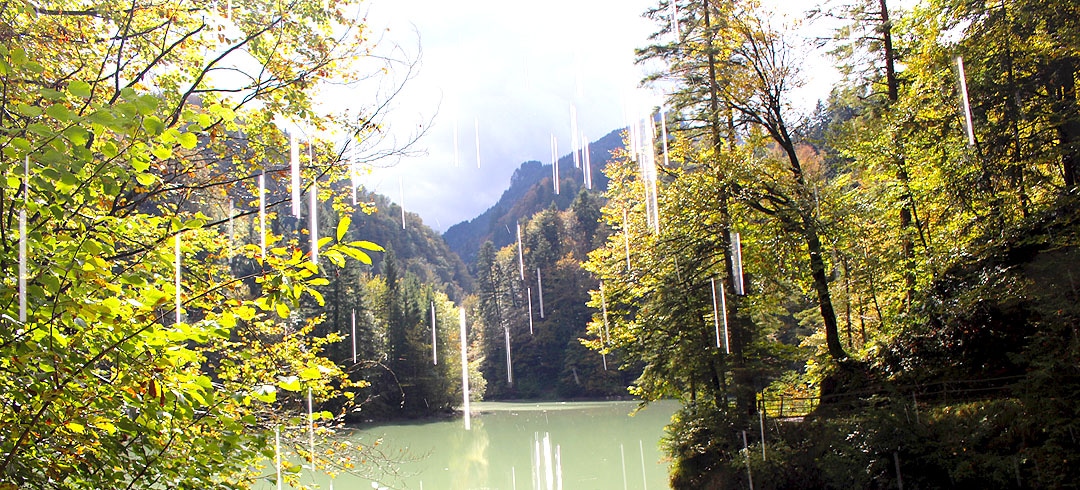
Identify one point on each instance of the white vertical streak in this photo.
(651, 162)
(967, 103)
(521, 253)
(622, 456)
(536, 470)
(434, 338)
(313, 228)
(746, 449)
(509, 362)
(555, 163)
(262, 214)
(294, 173)
(456, 159)
(558, 467)
(588, 164)
(736, 258)
(353, 336)
(574, 136)
(22, 240)
(675, 20)
(22, 265)
(626, 237)
(549, 477)
(761, 421)
(354, 185)
(465, 371)
(476, 123)
(540, 291)
(723, 308)
(715, 311)
(554, 166)
(530, 311)
(603, 308)
(311, 431)
(177, 266)
(232, 231)
(277, 455)
(644, 477)
(663, 133)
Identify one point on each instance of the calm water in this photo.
(591, 445)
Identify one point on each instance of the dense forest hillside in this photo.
(530, 192)
(532, 294)
(888, 280)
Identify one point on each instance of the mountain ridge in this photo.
(530, 192)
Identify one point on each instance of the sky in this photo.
(503, 74)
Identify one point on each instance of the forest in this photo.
(877, 292)
(901, 258)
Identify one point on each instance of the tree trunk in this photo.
(1068, 129)
(739, 338)
(809, 228)
(907, 241)
(821, 287)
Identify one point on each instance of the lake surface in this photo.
(588, 445)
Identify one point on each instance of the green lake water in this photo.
(590, 445)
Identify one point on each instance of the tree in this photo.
(135, 146)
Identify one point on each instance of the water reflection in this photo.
(595, 445)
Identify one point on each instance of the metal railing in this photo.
(783, 406)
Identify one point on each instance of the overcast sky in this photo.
(513, 69)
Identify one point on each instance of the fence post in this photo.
(899, 479)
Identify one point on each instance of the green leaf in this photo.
(343, 227)
(162, 152)
(267, 393)
(139, 164)
(245, 313)
(28, 110)
(153, 125)
(40, 130)
(60, 112)
(356, 254)
(79, 88)
(51, 95)
(366, 245)
(289, 383)
(102, 117)
(146, 179)
(106, 426)
(335, 257)
(282, 309)
(77, 135)
(188, 140)
(310, 373)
